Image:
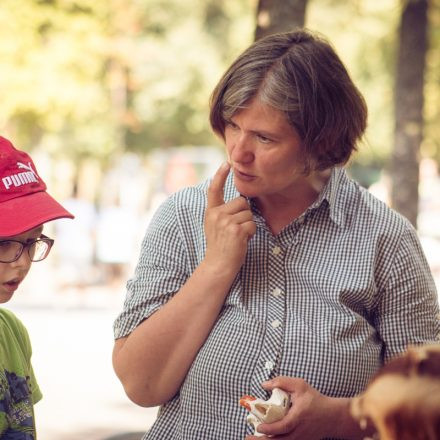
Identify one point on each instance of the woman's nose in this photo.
(241, 150)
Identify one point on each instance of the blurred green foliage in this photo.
(91, 79)
(84, 78)
(364, 33)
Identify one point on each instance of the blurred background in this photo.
(111, 97)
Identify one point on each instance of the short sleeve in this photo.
(35, 389)
(408, 313)
(161, 270)
(23, 335)
(20, 345)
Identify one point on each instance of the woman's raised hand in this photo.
(228, 226)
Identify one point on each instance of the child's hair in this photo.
(24, 202)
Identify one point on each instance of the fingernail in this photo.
(225, 165)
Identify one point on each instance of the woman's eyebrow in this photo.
(266, 134)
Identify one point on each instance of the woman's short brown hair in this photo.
(300, 74)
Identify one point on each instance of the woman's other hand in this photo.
(312, 416)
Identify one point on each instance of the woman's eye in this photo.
(263, 139)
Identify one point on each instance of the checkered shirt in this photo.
(333, 296)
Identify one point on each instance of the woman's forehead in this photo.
(261, 112)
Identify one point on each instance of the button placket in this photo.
(271, 349)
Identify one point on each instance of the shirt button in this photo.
(277, 292)
(269, 365)
(275, 323)
(276, 250)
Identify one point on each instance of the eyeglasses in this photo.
(11, 250)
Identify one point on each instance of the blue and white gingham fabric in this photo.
(339, 291)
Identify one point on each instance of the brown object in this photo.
(403, 399)
(275, 16)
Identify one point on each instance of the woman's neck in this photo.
(279, 210)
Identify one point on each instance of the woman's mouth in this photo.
(243, 176)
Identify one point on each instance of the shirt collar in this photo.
(333, 194)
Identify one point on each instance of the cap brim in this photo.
(24, 213)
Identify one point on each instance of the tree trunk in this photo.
(279, 16)
(408, 101)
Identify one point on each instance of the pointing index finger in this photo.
(215, 190)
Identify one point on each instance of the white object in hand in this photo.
(266, 411)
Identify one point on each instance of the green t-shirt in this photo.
(18, 388)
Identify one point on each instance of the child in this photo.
(24, 207)
(403, 398)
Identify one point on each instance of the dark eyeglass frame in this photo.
(27, 245)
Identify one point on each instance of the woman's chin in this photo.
(245, 190)
(249, 194)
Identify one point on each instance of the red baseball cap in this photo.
(24, 202)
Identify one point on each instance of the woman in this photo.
(281, 272)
